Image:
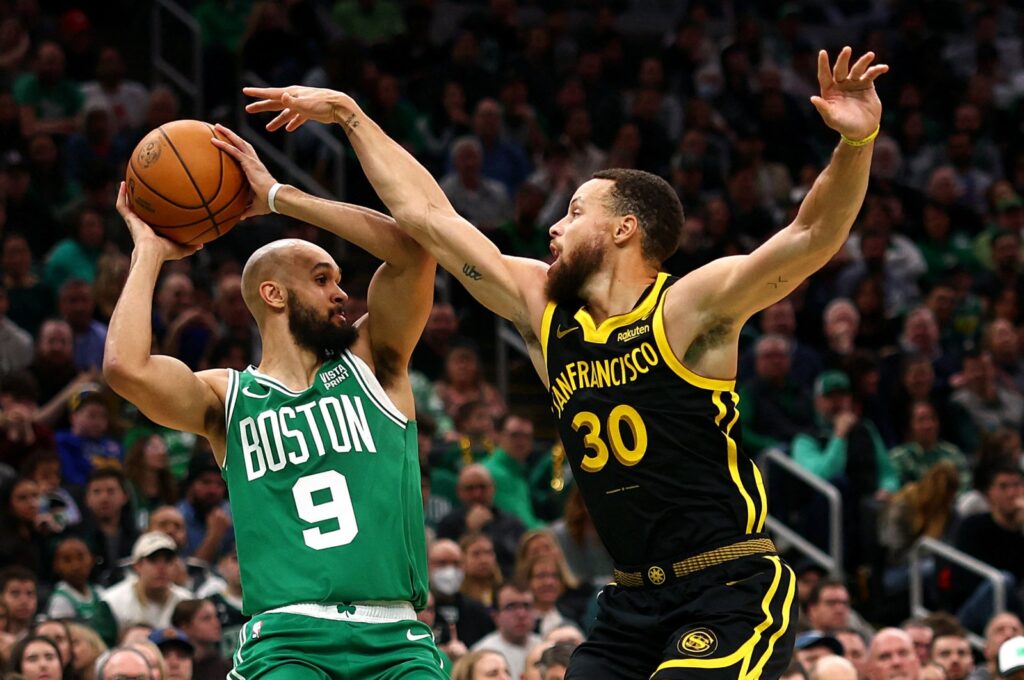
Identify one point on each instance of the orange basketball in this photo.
(183, 186)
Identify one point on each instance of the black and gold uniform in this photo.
(655, 450)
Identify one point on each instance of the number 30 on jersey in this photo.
(622, 417)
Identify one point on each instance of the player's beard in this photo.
(316, 332)
(567, 276)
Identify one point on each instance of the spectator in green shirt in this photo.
(48, 102)
(923, 449)
(507, 465)
(845, 445)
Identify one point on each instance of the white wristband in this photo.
(271, 194)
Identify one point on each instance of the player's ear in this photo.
(626, 228)
(273, 294)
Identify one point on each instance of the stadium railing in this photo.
(191, 84)
(936, 548)
(831, 561)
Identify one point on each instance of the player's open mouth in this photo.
(554, 250)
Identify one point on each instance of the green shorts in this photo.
(340, 642)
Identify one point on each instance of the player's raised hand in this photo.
(143, 235)
(260, 179)
(297, 104)
(848, 102)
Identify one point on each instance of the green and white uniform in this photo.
(325, 495)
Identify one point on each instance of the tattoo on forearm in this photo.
(471, 271)
(776, 284)
(351, 122)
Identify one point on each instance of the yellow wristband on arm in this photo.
(861, 142)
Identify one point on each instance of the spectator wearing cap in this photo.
(86, 446)
(206, 511)
(999, 629)
(1011, 659)
(178, 652)
(814, 645)
(198, 620)
(844, 443)
(152, 596)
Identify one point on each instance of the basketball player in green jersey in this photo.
(640, 370)
(318, 445)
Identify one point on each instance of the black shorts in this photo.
(734, 620)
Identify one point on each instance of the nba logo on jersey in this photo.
(334, 376)
(256, 628)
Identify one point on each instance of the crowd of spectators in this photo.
(896, 373)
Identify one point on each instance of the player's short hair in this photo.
(654, 203)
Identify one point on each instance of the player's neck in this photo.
(287, 361)
(616, 288)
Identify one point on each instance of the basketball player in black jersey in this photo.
(640, 370)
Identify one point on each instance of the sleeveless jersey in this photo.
(325, 490)
(653, 446)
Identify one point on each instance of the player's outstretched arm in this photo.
(401, 291)
(511, 287)
(735, 288)
(163, 388)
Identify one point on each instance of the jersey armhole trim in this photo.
(374, 389)
(545, 329)
(230, 397)
(661, 337)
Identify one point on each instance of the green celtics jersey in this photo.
(325, 490)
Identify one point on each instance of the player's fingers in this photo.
(280, 120)
(229, 149)
(842, 69)
(875, 71)
(861, 65)
(232, 137)
(122, 199)
(295, 122)
(263, 92)
(264, 105)
(824, 73)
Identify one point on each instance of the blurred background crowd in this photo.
(895, 374)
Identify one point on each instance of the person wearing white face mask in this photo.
(459, 617)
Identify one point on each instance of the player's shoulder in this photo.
(217, 379)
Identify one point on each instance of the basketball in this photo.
(183, 186)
